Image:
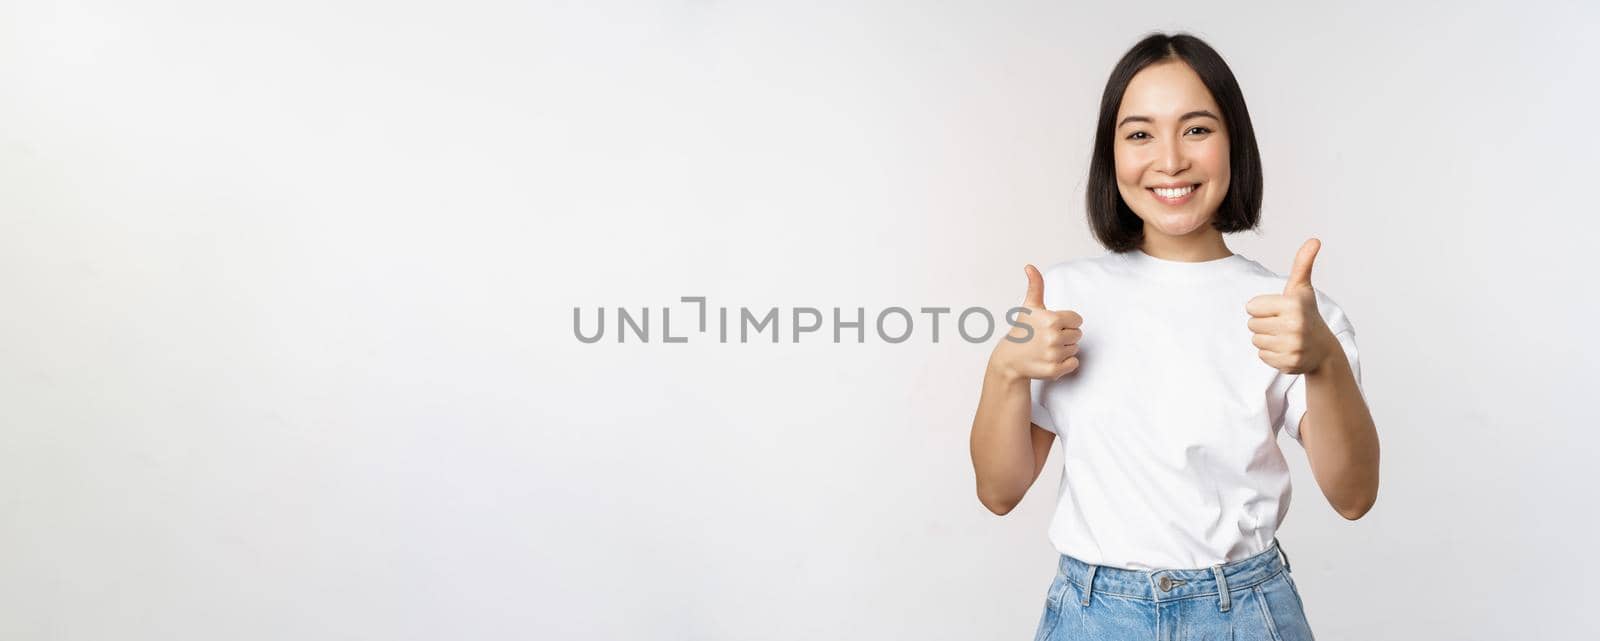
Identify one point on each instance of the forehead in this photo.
(1166, 89)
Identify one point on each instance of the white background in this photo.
(286, 346)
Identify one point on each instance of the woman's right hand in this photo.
(1050, 350)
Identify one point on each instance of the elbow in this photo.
(1354, 511)
(1001, 506)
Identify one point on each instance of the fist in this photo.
(1288, 330)
(1043, 344)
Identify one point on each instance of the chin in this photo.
(1177, 224)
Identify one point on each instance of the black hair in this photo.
(1114, 224)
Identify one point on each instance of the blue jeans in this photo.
(1251, 599)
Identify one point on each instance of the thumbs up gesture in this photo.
(1288, 330)
(1043, 344)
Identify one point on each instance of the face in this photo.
(1171, 151)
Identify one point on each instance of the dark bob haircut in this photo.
(1114, 224)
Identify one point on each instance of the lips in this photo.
(1174, 194)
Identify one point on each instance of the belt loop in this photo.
(1088, 585)
(1283, 554)
(1222, 586)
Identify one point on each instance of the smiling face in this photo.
(1171, 152)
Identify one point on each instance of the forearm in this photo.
(1339, 436)
(1002, 447)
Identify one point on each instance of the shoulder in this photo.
(1069, 283)
(1086, 269)
(1270, 281)
(1333, 314)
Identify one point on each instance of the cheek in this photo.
(1130, 168)
(1214, 160)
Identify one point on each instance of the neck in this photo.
(1204, 244)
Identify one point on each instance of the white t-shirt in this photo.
(1169, 425)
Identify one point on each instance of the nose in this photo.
(1172, 161)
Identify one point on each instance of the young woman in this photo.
(1167, 367)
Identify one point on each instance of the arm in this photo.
(1341, 441)
(1008, 451)
(1006, 454)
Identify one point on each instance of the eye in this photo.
(1136, 135)
(1202, 130)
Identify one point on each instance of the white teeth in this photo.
(1173, 193)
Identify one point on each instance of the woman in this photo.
(1167, 366)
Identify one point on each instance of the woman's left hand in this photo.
(1289, 332)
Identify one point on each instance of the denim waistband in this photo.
(1172, 585)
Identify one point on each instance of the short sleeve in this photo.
(1041, 414)
(1295, 401)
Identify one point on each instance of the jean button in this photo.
(1165, 583)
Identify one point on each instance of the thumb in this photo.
(1300, 274)
(1035, 297)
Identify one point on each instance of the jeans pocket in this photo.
(1281, 606)
(1052, 609)
(1289, 578)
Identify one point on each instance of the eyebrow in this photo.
(1193, 114)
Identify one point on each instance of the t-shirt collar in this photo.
(1147, 265)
